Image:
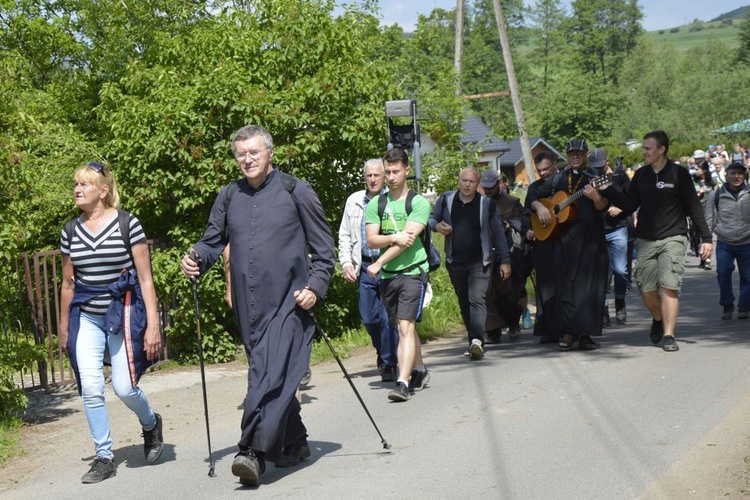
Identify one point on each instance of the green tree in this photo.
(548, 39)
(743, 51)
(603, 34)
(485, 67)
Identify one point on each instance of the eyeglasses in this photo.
(253, 153)
(96, 167)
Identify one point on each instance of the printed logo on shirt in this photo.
(663, 185)
(392, 223)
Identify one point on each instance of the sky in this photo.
(658, 14)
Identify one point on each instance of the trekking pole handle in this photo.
(197, 259)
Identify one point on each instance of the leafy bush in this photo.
(15, 357)
(340, 310)
(218, 330)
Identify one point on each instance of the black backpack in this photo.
(433, 256)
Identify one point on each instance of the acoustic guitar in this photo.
(562, 209)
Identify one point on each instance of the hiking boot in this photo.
(728, 310)
(388, 373)
(742, 314)
(248, 466)
(526, 320)
(294, 454)
(657, 331)
(514, 332)
(101, 469)
(669, 344)
(621, 314)
(418, 379)
(305, 382)
(493, 336)
(153, 441)
(399, 393)
(476, 351)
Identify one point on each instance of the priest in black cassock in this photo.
(577, 253)
(282, 260)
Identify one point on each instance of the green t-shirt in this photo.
(394, 220)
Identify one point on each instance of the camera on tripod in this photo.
(403, 130)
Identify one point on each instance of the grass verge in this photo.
(9, 442)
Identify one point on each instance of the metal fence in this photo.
(30, 305)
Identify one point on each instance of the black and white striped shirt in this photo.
(98, 259)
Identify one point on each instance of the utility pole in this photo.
(458, 51)
(514, 95)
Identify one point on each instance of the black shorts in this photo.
(403, 296)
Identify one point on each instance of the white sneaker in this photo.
(476, 351)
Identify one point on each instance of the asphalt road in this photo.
(526, 422)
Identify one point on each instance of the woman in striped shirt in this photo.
(95, 254)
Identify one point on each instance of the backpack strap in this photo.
(409, 197)
(290, 182)
(717, 194)
(123, 218)
(382, 202)
(70, 227)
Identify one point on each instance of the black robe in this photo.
(503, 308)
(572, 268)
(277, 248)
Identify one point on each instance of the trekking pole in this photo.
(386, 446)
(211, 472)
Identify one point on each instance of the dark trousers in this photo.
(503, 295)
(470, 283)
(375, 318)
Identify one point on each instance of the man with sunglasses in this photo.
(281, 262)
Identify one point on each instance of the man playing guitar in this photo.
(577, 253)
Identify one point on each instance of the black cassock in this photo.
(277, 247)
(571, 268)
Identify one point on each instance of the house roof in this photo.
(514, 156)
(476, 132)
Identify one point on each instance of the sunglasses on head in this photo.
(96, 167)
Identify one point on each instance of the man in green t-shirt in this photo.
(402, 267)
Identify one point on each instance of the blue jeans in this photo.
(375, 318)
(90, 346)
(617, 242)
(726, 255)
(470, 282)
